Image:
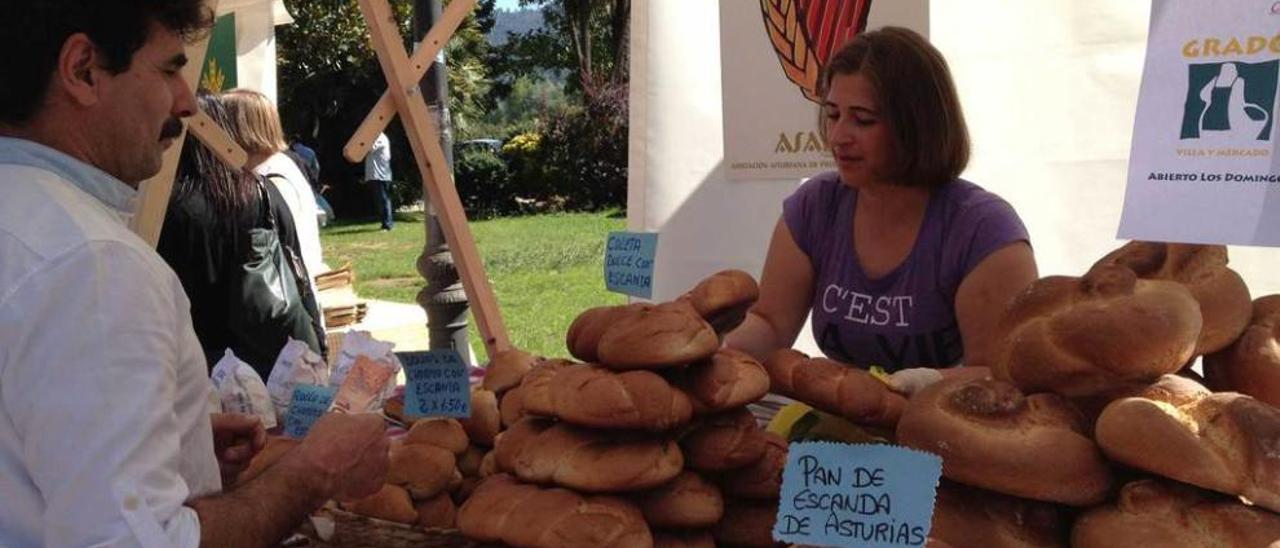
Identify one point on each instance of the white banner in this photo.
(771, 55)
(1203, 166)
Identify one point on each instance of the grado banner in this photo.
(1204, 165)
(772, 53)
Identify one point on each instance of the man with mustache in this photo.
(106, 437)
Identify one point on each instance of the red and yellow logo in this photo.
(805, 33)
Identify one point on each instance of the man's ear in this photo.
(74, 73)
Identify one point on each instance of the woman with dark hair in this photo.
(901, 263)
(207, 239)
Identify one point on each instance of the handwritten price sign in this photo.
(836, 494)
(308, 404)
(628, 263)
(436, 384)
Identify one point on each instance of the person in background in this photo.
(206, 240)
(377, 173)
(258, 125)
(901, 263)
(106, 436)
(309, 163)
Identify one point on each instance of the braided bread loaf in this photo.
(504, 510)
(833, 387)
(540, 451)
(593, 396)
(1251, 365)
(1160, 513)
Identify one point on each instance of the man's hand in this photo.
(236, 439)
(348, 452)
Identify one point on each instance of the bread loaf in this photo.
(485, 420)
(540, 451)
(1251, 365)
(425, 470)
(655, 337)
(446, 434)
(687, 502)
(596, 397)
(729, 379)
(723, 298)
(968, 517)
(683, 539)
(724, 442)
(504, 510)
(535, 389)
(507, 369)
(990, 435)
(390, 503)
(833, 387)
(1225, 442)
(1083, 336)
(747, 523)
(583, 338)
(511, 406)
(437, 512)
(1162, 513)
(761, 479)
(1222, 294)
(469, 462)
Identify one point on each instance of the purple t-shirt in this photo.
(906, 318)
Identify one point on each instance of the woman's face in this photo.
(857, 133)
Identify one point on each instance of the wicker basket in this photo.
(355, 531)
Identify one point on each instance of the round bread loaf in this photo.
(723, 299)
(1251, 365)
(437, 512)
(687, 502)
(1225, 442)
(729, 379)
(1222, 294)
(747, 523)
(511, 407)
(447, 434)
(391, 503)
(656, 337)
(834, 387)
(540, 451)
(990, 435)
(486, 420)
(425, 470)
(506, 370)
(1161, 513)
(761, 479)
(504, 510)
(1084, 336)
(724, 442)
(583, 338)
(596, 397)
(968, 516)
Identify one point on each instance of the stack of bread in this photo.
(644, 440)
(1085, 415)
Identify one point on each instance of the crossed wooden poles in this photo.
(401, 98)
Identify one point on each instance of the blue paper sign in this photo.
(309, 403)
(436, 384)
(628, 263)
(837, 494)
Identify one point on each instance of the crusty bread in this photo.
(656, 337)
(506, 369)
(489, 463)
(485, 420)
(1225, 442)
(990, 435)
(761, 479)
(723, 298)
(425, 470)
(535, 389)
(390, 503)
(540, 451)
(511, 406)
(583, 337)
(747, 523)
(446, 434)
(729, 379)
(1222, 294)
(1251, 365)
(503, 510)
(1083, 336)
(723, 442)
(683, 539)
(437, 512)
(834, 387)
(589, 395)
(1169, 388)
(968, 517)
(469, 461)
(1163, 513)
(687, 502)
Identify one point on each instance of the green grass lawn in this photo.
(544, 269)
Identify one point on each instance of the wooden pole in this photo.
(437, 180)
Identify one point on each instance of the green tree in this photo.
(586, 38)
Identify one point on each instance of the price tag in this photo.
(836, 494)
(628, 263)
(436, 384)
(309, 402)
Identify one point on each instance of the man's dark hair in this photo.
(32, 33)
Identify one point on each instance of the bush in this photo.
(585, 151)
(483, 182)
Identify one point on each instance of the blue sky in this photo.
(507, 4)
